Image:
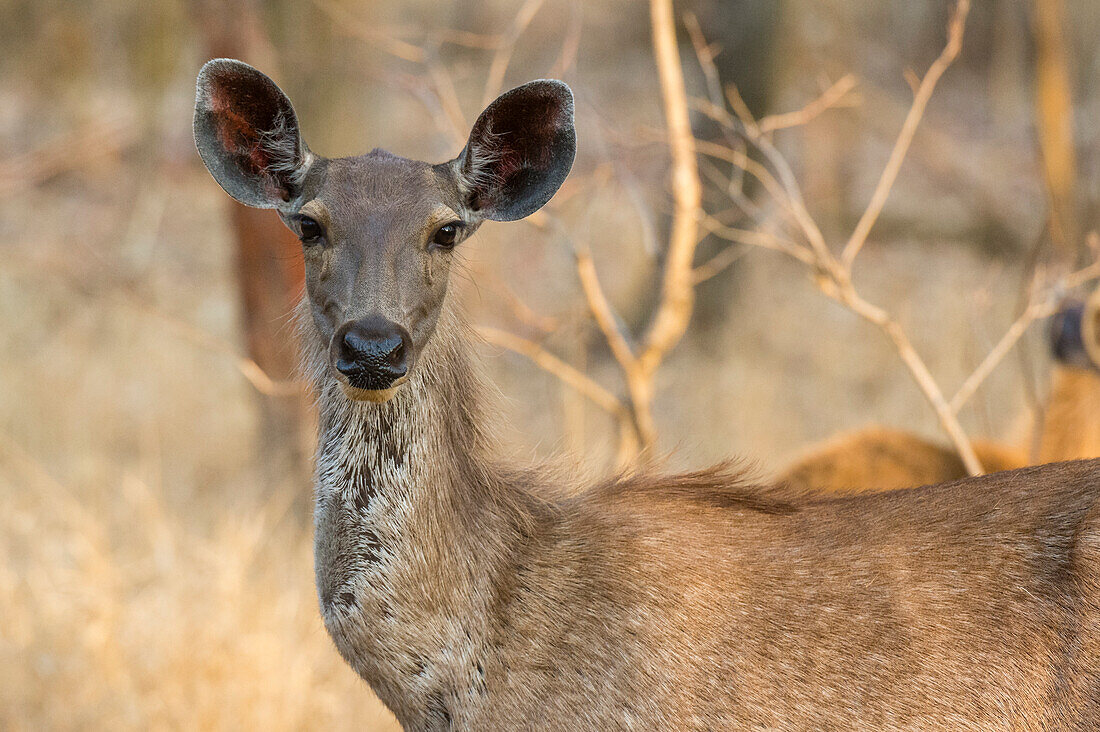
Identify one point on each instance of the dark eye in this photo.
(446, 235)
(311, 230)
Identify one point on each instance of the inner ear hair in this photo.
(519, 152)
(286, 156)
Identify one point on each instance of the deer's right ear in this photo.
(247, 134)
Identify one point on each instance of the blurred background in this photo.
(155, 536)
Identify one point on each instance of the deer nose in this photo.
(372, 353)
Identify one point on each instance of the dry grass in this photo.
(151, 575)
(163, 627)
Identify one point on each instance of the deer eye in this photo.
(311, 231)
(446, 235)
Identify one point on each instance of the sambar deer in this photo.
(475, 594)
(880, 458)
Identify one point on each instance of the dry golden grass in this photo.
(162, 626)
(152, 574)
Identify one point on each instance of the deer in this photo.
(472, 592)
(1071, 419)
(880, 458)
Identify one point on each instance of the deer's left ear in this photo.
(520, 151)
(247, 134)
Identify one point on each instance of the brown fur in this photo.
(473, 594)
(1071, 422)
(879, 458)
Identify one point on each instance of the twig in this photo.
(833, 277)
(677, 290)
(737, 102)
(1040, 306)
(924, 91)
(846, 294)
(758, 238)
(601, 309)
(717, 264)
(550, 363)
(494, 82)
(466, 39)
(448, 100)
(347, 23)
(750, 166)
(69, 152)
(570, 44)
(829, 98)
(639, 383)
(705, 54)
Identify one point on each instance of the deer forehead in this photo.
(384, 193)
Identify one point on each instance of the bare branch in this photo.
(602, 311)
(570, 44)
(555, 366)
(448, 99)
(705, 54)
(1043, 303)
(832, 277)
(796, 204)
(750, 166)
(69, 152)
(347, 23)
(466, 39)
(717, 264)
(494, 82)
(830, 98)
(846, 294)
(677, 293)
(897, 156)
(737, 102)
(758, 238)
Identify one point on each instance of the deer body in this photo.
(1071, 423)
(880, 458)
(470, 597)
(475, 595)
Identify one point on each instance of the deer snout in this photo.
(371, 353)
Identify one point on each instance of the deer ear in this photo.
(520, 151)
(247, 134)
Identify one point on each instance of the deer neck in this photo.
(1071, 425)
(415, 525)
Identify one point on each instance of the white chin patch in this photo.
(378, 396)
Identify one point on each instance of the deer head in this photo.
(378, 231)
(1075, 332)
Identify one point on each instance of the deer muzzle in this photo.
(371, 357)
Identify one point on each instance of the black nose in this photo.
(372, 353)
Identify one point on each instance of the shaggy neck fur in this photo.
(415, 521)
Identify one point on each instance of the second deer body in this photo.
(877, 458)
(474, 594)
